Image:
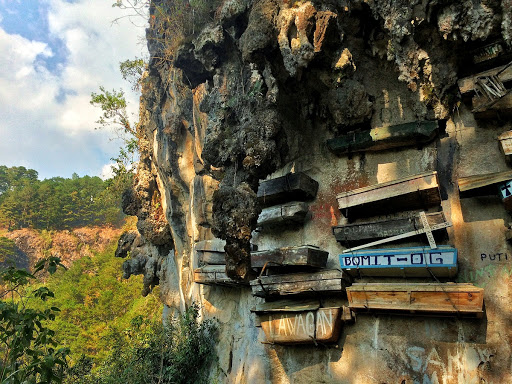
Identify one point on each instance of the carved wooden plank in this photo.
(305, 327)
(282, 215)
(403, 262)
(286, 306)
(481, 185)
(426, 230)
(506, 143)
(381, 138)
(212, 251)
(418, 191)
(327, 281)
(447, 298)
(214, 275)
(291, 187)
(305, 256)
(469, 84)
(351, 234)
(483, 107)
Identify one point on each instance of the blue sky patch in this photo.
(29, 19)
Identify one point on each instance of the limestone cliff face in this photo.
(256, 94)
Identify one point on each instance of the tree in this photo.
(28, 352)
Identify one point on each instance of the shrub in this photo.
(179, 352)
(28, 352)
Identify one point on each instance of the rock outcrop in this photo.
(256, 94)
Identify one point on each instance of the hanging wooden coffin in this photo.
(291, 187)
(404, 262)
(214, 275)
(301, 326)
(490, 90)
(351, 234)
(470, 83)
(281, 216)
(482, 185)
(506, 143)
(381, 138)
(422, 298)
(419, 191)
(303, 256)
(326, 282)
(212, 251)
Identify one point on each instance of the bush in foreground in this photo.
(179, 352)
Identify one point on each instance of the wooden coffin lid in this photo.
(414, 183)
(505, 135)
(483, 184)
(286, 306)
(411, 287)
(468, 84)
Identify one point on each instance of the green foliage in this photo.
(7, 249)
(113, 105)
(57, 203)
(96, 304)
(28, 348)
(179, 352)
(132, 71)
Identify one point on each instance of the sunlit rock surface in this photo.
(256, 94)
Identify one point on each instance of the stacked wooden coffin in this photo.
(489, 91)
(212, 260)
(386, 137)
(284, 201)
(291, 322)
(404, 201)
(499, 183)
(287, 275)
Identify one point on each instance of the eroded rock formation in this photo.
(255, 94)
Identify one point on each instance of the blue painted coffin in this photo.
(405, 262)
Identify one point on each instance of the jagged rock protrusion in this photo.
(124, 244)
(349, 104)
(296, 27)
(261, 30)
(236, 212)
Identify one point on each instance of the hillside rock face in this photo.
(256, 94)
(69, 245)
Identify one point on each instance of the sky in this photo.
(54, 54)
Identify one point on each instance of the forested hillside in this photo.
(57, 203)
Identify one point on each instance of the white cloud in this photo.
(39, 127)
(107, 172)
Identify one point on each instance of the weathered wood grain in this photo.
(214, 275)
(281, 216)
(506, 142)
(291, 187)
(468, 84)
(481, 185)
(212, 251)
(418, 191)
(327, 281)
(304, 327)
(481, 106)
(305, 256)
(401, 262)
(352, 234)
(447, 298)
(382, 138)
